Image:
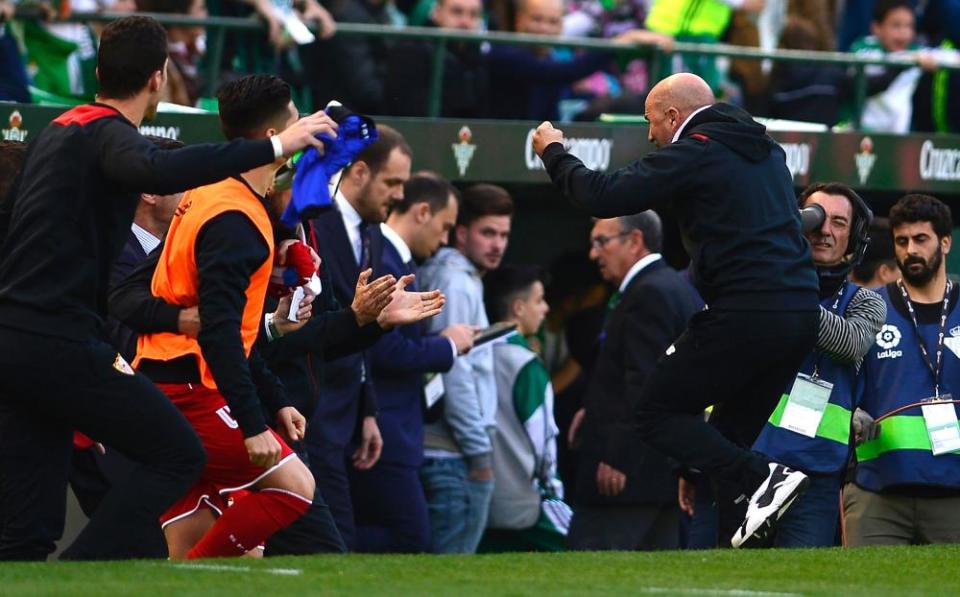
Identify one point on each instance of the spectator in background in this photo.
(889, 104)
(936, 101)
(388, 500)
(351, 70)
(879, 265)
(14, 87)
(801, 90)
(186, 45)
(466, 80)
(530, 82)
(623, 88)
(626, 492)
(700, 21)
(527, 512)
(457, 472)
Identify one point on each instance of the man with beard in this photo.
(906, 489)
(61, 228)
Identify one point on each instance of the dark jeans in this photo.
(51, 387)
(738, 361)
(812, 520)
(391, 509)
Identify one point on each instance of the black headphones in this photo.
(859, 234)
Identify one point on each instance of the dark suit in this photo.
(120, 335)
(651, 314)
(344, 399)
(299, 360)
(390, 506)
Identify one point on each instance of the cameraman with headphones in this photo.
(817, 420)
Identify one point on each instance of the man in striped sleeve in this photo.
(817, 420)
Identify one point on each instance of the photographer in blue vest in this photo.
(906, 489)
(814, 424)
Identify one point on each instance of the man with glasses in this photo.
(625, 493)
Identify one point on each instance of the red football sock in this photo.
(250, 522)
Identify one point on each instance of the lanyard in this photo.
(833, 309)
(935, 370)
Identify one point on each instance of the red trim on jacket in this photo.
(84, 115)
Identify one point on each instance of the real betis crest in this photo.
(865, 159)
(463, 150)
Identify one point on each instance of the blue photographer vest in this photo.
(829, 451)
(894, 374)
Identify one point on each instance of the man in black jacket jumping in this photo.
(61, 228)
(727, 183)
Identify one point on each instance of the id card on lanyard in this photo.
(809, 395)
(806, 404)
(939, 415)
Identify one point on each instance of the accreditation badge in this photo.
(433, 388)
(942, 427)
(806, 404)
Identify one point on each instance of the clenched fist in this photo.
(546, 135)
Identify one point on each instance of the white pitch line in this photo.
(222, 568)
(717, 592)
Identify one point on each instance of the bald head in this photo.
(672, 101)
(684, 91)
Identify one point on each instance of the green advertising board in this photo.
(501, 152)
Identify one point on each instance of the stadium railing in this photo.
(659, 60)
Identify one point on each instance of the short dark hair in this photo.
(12, 156)
(829, 188)
(879, 251)
(250, 104)
(164, 143)
(505, 284)
(484, 200)
(884, 7)
(647, 222)
(376, 154)
(131, 50)
(922, 208)
(429, 189)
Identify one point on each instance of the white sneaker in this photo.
(776, 494)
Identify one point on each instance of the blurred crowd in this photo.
(47, 59)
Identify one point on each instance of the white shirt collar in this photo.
(676, 135)
(637, 268)
(406, 255)
(147, 240)
(350, 216)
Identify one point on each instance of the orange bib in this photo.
(176, 281)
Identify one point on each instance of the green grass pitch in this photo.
(768, 573)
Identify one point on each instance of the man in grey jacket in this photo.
(457, 473)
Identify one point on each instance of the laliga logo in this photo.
(464, 150)
(865, 159)
(15, 133)
(889, 338)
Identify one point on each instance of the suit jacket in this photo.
(299, 358)
(399, 361)
(122, 337)
(652, 313)
(343, 397)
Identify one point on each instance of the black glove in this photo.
(864, 427)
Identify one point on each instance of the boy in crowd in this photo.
(527, 512)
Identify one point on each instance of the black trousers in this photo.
(642, 527)
(740, 362)
(313, 533)
(50, 387)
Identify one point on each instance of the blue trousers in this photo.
(390, 509)
(458, 506)
(812, 520)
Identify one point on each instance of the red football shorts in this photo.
(228, 465)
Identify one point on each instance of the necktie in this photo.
(613, 301)
(364, 245)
